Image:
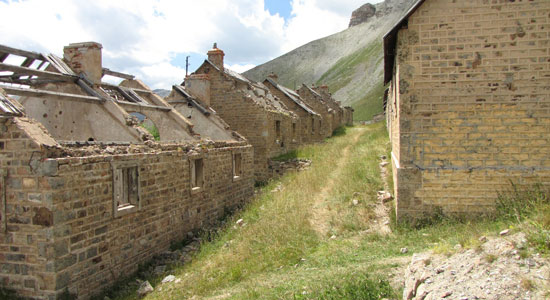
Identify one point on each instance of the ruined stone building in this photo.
(348, 115)
(97, 178)
(248, 107)
(469, 102)
(310, 122)
(315, 101)
(335, 107)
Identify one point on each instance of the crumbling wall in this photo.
(63, 229)
(256, 123)
(305, 133)
(348, 116)
(26, 214)
(172, 126)
(336, 110)
(469, 104)
(206, 126)
(76, 120)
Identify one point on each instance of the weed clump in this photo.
(532, 206)
(356, 287)
(339, 131)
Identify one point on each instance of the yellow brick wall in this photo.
(469, 105)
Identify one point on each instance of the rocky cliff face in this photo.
(362, 14)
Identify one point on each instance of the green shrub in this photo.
(339, 131)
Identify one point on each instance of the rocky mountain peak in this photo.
(362, 14)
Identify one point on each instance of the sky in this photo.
(152, 38)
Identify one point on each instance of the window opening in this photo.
(237, 165)
(125, 188)
(278, 128)
(197, 174)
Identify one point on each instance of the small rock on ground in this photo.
(144, 289)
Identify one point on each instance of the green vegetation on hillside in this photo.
(344, 71)
(370, 105)
(304, 236)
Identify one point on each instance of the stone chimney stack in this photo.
(85, 58)
(215, 56)
(324, 89)
(273, 77)
(198, 85)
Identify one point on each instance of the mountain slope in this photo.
(349, 62)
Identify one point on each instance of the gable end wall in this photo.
(469, 106)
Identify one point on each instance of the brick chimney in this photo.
(323, 90)
(215, 56)
(273, 77)
(85, 58)
(198, 85)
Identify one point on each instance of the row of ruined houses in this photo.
(97, 178)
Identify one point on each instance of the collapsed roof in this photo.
(70, 99)
(292, 95)
(255, 91)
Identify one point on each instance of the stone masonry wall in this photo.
(62, 232)
(320, 108)
(26, 216)
(469, 106)
(304, 125)
(249, 119)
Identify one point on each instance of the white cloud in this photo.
(240, 68)
(142, 37)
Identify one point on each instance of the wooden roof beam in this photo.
(28, 71)
(27, 54)
(43, 93)
(117, 74)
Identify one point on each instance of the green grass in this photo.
(286, 156)
(153, 130)
(280, 254)
(528, 208)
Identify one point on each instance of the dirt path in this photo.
(321, 215)
(381, 222)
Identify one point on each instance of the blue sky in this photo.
(151, 38)
(281, 7)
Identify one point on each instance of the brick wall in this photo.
(469, 104)
(320, 108)
(250, 119)
(26, 233)
(62, 230)
(304, 131)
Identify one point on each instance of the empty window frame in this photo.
(126, 190)
(294, 129)
(312, 126)
(197, 173)
(277, 128)
(237, 165)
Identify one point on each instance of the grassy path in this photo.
(303, 236)
(321, 215)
